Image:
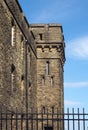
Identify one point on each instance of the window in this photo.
(13, 33)
(12, 76)
(29, 84)
(52, 109)
(22, 77)
(40, 36)
(22, 49)
(43, 110)
(52, 81)
(13, 36)
(47, 68)
(12, 68)
(43, 80)
(22, 84)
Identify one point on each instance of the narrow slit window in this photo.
(52, 109)
(13, 40)
(43, 110)
(52, 81)
(12, 68)
(47, 68)
(22, 84)
(43, 81)
(22, 50)
(12, 76)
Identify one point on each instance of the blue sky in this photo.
(73, 15)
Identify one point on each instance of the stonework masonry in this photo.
(50, 61)
(37, 49)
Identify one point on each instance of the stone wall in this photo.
(21, 20)
(13, 58)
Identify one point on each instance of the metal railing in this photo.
(45, 120)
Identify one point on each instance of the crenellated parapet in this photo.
(51, 51)
(49, 40)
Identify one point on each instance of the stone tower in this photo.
(50, 60)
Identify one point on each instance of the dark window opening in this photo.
(22, 77)
(52, 109)
(12, 68)
(43, 110)
(40, 36)
(29, 84)
(52, 81)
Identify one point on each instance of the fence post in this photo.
(73, 119)
(6, 118)
(83, 119)
(68, 117)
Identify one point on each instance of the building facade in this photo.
(31, 61)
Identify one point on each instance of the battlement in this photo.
(50, 40)
(47, 33)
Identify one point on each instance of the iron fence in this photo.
(45, 120)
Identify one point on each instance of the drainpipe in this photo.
(26, 76)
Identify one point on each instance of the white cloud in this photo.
(76, 84)
(71, 103)
(78, 48)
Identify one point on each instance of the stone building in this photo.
(31, 61)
